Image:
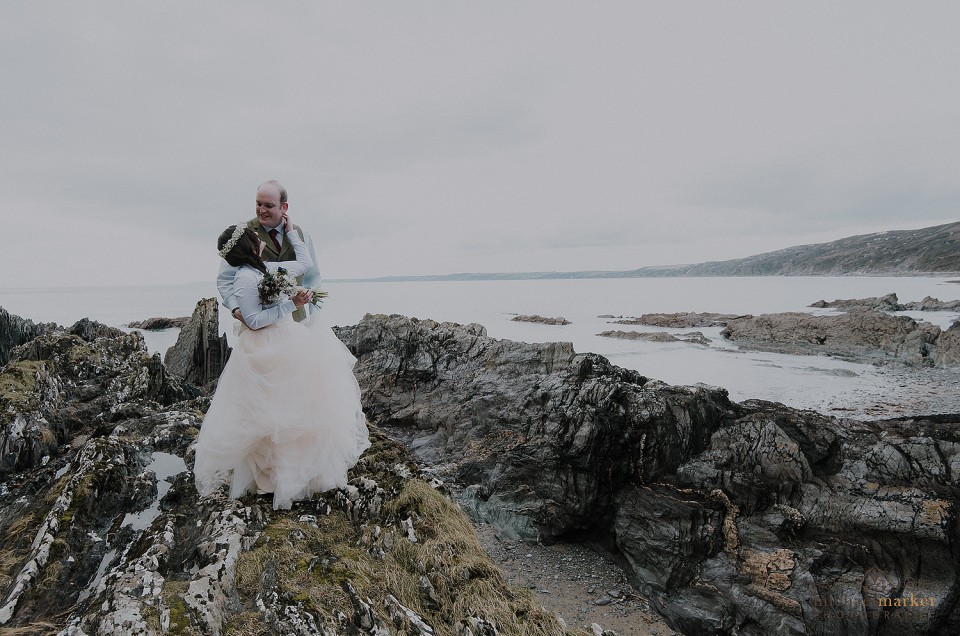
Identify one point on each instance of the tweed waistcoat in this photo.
(286, 253)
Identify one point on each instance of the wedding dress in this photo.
(286, 417)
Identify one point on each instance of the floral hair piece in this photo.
(229, 245)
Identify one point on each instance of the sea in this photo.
(821, 383)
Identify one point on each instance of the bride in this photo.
(286, 417)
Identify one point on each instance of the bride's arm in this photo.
(303, 264)
(245, 289)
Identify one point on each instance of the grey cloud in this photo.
(496, 129)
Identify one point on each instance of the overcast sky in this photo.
(440, 137)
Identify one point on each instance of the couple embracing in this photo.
(286, 417)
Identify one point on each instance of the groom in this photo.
(268, 224)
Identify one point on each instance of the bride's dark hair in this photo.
(245, 252)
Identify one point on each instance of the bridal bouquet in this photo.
(277, 287)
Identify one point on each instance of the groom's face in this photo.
(269, 209)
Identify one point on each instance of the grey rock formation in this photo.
(932, 304)
(682, 319)
(948, 347)
(831, 522)
(695, 337)
(104, 533)
(890, 302)
(157, 324)
(542, 320)
(553, 432)
(649, 336)
(69, 379)
(15, 330)
(200, 352)
(859, 334)
(745, 518)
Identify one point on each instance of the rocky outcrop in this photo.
(860, 334)
(200, 352)
(158, 324)
(948, 347)
(832, 524)
(865, 333)
(542, 320)
(14, 331)
(929, 303)
(67, 380)
(682, 319)
(649, 336)
(734, 518)
(890, 302)
(104, 533)
(656, 336)
(554, 433)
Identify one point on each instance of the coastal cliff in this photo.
(732, 518)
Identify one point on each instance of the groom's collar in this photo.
(278, 228)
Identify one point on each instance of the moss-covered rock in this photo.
(98, 539)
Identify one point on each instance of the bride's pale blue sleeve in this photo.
(302, 265)
(245, 289)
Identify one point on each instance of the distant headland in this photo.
(932, 250)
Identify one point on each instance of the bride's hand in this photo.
(302, 297)
(287, 224)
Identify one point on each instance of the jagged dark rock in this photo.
(948, 347)
(695, 337)
(649, 336)
(104, 533)
(930, 303)
(860, 334)
(890, 302)
(66, 380)
(14, 331)
(681, 320)
(200, 352)
(157, 324)
(554, 432)
(542, 320)
(734, 518)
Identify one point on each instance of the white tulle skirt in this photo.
(286, 417)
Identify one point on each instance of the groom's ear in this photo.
(284, 206)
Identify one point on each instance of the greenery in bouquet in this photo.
(275, 287)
